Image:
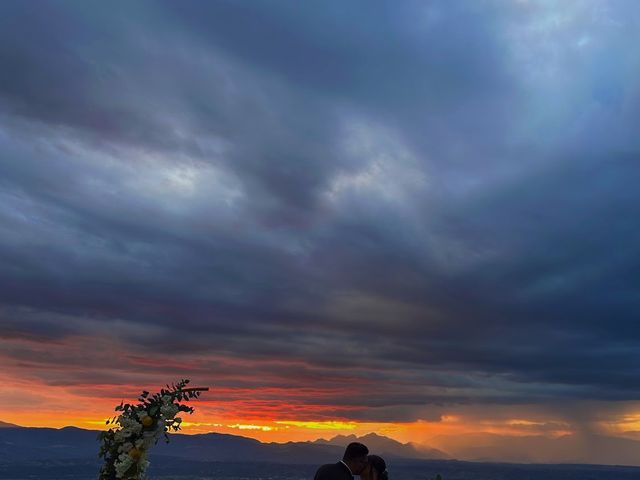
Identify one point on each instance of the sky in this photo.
(416, 218)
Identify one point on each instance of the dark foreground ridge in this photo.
(172, 468)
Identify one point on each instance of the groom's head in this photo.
(355, 456)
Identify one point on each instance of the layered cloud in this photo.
(376, 213)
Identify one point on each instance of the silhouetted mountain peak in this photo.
(8, 425)
(385, 446)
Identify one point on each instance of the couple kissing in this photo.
(355, 461)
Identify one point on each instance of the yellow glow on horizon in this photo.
(200, 424)
(263, 428)
(101, 423)
(331, 425)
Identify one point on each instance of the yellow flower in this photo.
(135, 453)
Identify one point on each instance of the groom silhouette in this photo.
(353, 462)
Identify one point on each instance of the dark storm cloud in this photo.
(440, 197)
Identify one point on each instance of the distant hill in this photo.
(7, 425)
(577, 449)
(387, 447)
(231, 448)
(24, 444)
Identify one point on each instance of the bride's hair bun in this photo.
(379, 465)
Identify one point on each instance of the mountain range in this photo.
(387, 447)
(27, 443)
(23, 444)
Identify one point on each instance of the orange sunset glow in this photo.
(88, 406)
(60, 406)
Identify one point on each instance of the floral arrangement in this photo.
(124, 447)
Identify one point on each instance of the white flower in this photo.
(130, 423)
(129, 426)
(169, 411)
(125, 447)
(122, 464)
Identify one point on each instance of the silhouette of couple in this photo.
(355, 461)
